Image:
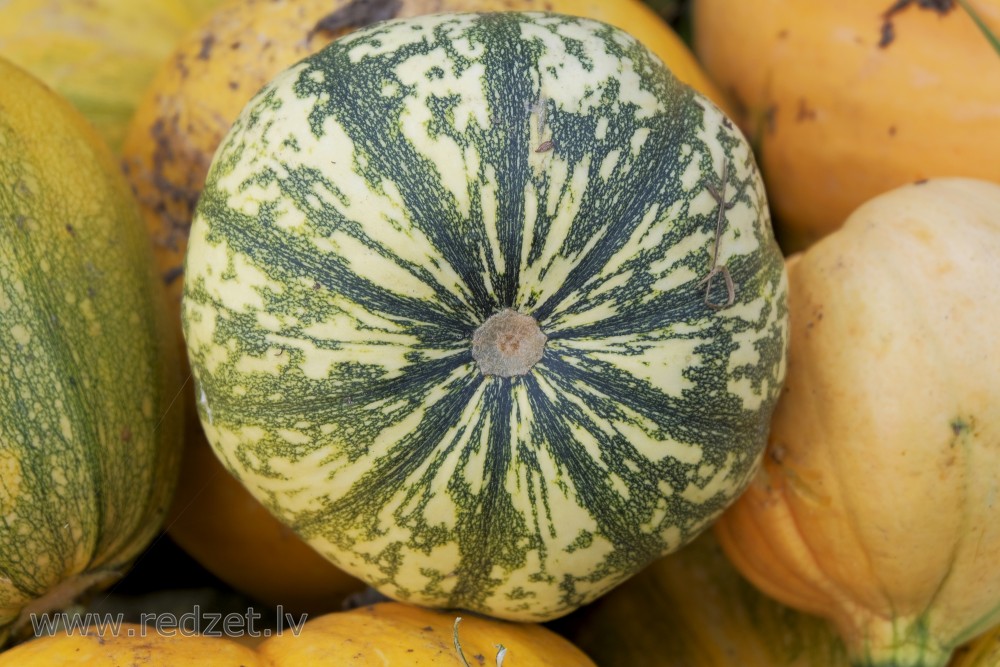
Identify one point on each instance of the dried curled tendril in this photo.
(719, 194)
(501, 650)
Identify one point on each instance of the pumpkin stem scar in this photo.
(509, 343)
(719, 194)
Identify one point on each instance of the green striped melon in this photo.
(89, 432)
(487, 308)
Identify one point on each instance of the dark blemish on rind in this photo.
(545, 146)
(71, 230)
(234, 85)
(959, 426)
(783, 34)
(892, 130)
(172, 275)
(804, 112)
(920, 181)
(888, 30)
(207, 42)
(888, 34)
(356, 14)
(770, 116)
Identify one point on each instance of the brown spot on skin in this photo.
(126, 434)
(181, 66)
(234, 85)
(207, 42)
(920, 181)
(545, 146)
(71, 230)
(770, 115)
(892, 130)
(805, 112)
(355, 14)
(783, 34)
(888, 30)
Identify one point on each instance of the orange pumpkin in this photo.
(843, 101)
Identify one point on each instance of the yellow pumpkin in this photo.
(391, 633)
(133, 644)
(876, 505)
(843, 102)
(100, 55)
(388, 634)
(189, 107)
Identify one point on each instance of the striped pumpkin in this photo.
(487, 308)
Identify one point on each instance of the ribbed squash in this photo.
(89, 437)
(846, 100)
(100, 54)
(195, 98)
(876, 504)
(387, 634)
(487, 308)
(693, 609)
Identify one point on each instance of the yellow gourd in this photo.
(100, 55)
(845, 100)
(388, 634)
(877, 502)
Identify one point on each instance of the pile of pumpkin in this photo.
(487, 314)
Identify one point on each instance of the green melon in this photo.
(89, 432)
(487, 308)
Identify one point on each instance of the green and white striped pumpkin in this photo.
(447, 309)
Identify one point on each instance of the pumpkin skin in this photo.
(874, 506)
(835, 118)
(200, 89)
(177, 128)
(89, 435)
(333, 307)
(100, 55)
(226, 530)
(133, 645)
(384, 635)
(693, 609)
(394, 634)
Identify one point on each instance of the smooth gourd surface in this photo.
(378, 202)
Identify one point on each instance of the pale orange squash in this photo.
(877, 502)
